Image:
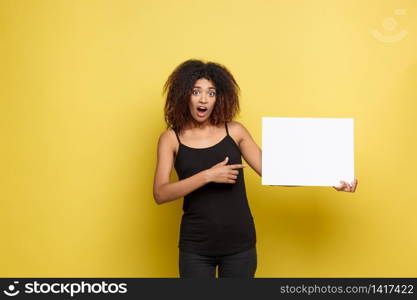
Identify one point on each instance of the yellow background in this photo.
(81, 112)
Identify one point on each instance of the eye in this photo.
(212, 94)
(195, 92)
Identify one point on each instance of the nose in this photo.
(203, 98)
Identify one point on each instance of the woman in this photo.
(205, 146)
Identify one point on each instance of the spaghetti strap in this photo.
(227, 131)
(178, 138)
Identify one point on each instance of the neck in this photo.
(199, 125)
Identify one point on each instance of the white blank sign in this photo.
(307, 151)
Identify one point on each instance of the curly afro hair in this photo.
(178, 88)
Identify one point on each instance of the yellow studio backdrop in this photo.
(81, 112)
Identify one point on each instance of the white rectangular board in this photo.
(307, 151)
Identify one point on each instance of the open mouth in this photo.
(201, 110)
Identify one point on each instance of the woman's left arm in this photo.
(253, 154)
(249, 149)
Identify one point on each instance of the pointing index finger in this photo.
(237, 166)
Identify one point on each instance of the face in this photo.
(203, 98)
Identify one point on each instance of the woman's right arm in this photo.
(164, 191)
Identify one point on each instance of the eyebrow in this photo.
(196, 86)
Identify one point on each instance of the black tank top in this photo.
(217, 219)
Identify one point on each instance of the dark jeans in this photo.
(238, 265)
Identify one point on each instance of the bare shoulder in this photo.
(237, 130)
(167, 139)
